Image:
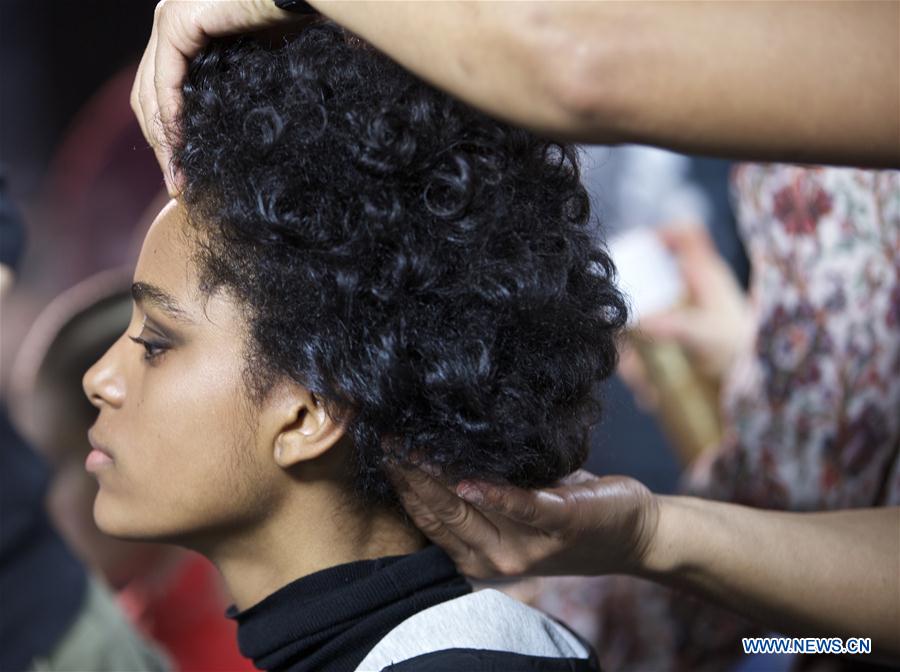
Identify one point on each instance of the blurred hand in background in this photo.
(714, 324)
(717, 321)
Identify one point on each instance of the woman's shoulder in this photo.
(485, 630)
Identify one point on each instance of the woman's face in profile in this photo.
(175, 416)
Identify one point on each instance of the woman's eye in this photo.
(152, 350)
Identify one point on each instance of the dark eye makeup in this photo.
(154, 342)
(153, 349)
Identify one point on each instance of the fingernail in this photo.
(432, 470)
(471, 494)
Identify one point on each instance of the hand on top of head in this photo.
(181, 28)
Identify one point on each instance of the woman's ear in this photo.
(303, 430)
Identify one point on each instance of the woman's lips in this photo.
(98, 458)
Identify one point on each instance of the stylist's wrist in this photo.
(661, 552)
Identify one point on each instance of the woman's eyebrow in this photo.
(143, 292)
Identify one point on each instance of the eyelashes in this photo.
(152, 349)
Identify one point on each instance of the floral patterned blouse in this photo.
(811, 411)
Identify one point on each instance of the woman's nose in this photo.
(103, 383)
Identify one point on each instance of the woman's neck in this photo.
(307, 536)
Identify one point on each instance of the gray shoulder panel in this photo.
(487, 620)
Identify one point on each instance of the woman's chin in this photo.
(115, 521)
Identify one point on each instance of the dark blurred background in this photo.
(73, 155)
(54, 54)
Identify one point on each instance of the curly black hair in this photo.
(428, 271)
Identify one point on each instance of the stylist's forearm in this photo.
(796, 81)
(791, 572)
(516, 61)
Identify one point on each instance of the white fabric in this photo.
(487, 620)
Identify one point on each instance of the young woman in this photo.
(359, 271)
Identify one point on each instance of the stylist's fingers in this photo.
(145, 106)
(176, 37)
(180, 37)
(431, 525)
(181, 28)
(139, 88)
(482, 543)
(544, 510)
(447, 520)
(134, 99)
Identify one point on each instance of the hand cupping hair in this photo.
(428, 271)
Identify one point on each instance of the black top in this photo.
(330, 620)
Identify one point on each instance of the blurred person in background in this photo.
(56, 615)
